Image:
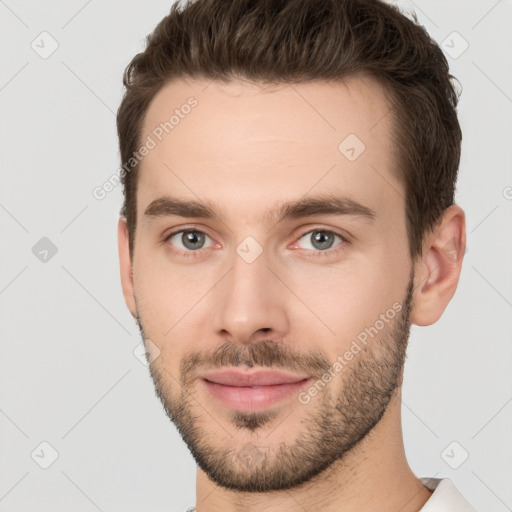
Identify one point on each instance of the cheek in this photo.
(157, 297)
(344, 302)
(170, 298)
(350, 297)
(156, 301)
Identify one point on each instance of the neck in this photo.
(373, 476)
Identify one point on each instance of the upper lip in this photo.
(254, 378)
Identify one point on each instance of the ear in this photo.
(125, 265)
(437, 271)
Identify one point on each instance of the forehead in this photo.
(240, 143)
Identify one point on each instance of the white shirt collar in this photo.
(445, 498)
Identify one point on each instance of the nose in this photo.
(251, 302)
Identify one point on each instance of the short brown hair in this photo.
(300, 41)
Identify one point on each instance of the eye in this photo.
(188, 240)
(320, 241)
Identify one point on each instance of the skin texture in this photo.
(247, 148)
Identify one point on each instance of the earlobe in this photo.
(437, 272)
(125, 266)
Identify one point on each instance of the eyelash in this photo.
(316, 253)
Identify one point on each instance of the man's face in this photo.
(255, 289)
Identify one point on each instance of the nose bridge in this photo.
(250, 298)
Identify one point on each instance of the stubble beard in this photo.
(333, 426)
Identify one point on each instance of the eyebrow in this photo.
(167, 206)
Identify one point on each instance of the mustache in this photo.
(267, 353)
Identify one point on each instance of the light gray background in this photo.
(68, 375)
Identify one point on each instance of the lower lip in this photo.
(253, 398)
